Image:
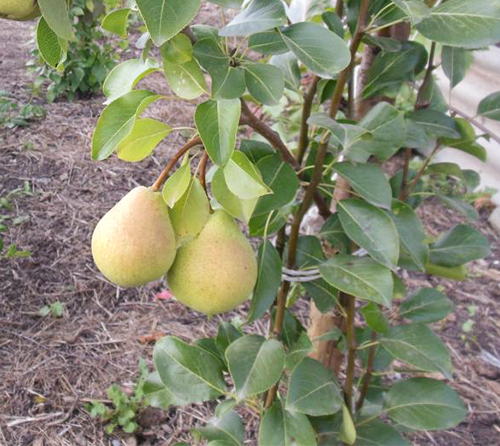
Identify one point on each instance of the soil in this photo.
(51, 367)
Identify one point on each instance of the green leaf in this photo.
(334, 23)
(454, 64)
(55, 13)
(281, 428)
(368, 180)
(384, 43)
(165, 18)
(186, 80)
(224, 430)
(117, 121)
(411, 233)
(417, 345)
(190, 373)
(387, 125)
(269, 42)
(371, 229)
(177, 50)
(435, 123)
(255, 364)
(226, 335)
(52, 49)
(319, 49)
(377, 433)
(265, 83)
(426, 305)
(227, 82)
(268, 281)
(228, 3)
(458, 246)
(258, 16)
(460, 206)
(414, 9)
(237, 207)
(489, 107)
(266, 224)
(243, 179)
(312, 390)
(424, 404)
(374, 318)
(142, 140)
(289, 66)
(298, 351)
(190, 212)
(176, 185)
(282, 180)
(210, 54)
(116, 22)
(217, 122)
(156, 394)
(467, 140)
(390, 67)
(255, 150)
(124, 77)
(463, 23)
(450, 169)
(359, 276)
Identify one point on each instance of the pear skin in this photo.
(134, 243)
(217, 270)
(19, 10)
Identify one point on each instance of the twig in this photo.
(306, 113)
(18, 421)
(351, 355)
(203, 170)
(369, 369)
(173, 161)
(476, 123)
(422, 169)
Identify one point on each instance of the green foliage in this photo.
(285, 80)
(13, 114)
(55, 309)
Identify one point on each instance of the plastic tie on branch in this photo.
(309, 275)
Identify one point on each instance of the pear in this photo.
(134, 243)
(217, 270)
(20, 10)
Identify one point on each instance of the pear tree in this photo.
(300, 108)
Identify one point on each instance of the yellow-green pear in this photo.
(217, 270)
(20, 10)
(134, 243)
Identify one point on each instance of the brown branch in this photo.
(203, 170)
(368, 375)
(476, 123)
(173, 161)
(306, 113)
(351, 354)
(422, 169)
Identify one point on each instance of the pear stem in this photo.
(173, 161)
(203, 170)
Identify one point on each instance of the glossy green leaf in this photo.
(228, 3)
(125, 76)
(333, 22)
(318, 48)
(176, 185)
(384, 43)
(424, 404)
(281, 428)
(217, 122)
(359, 276)
(298, 351)
(377, 433)
(435, 123)
(55, 13)
(368, 180)
(255, 364)
(454, 64)
(165, 18)
(312, 390)
(227, 82)
(226, 335)
(371, 229)
(190, 373)
(489, 107)
(117, 121)
(415, 10)
(52, 48)
(116, 22)
(186, 80)
(411, 233)
(459, 245)
(463, 23)
(258, 16)
(417, 345)
(467, 140)
(255, 150)
(237, 207)
(289, 66)
(146, 134)
(460, 206)
(210, 54)
(156, 394)
(268, 281)
(374, 318)
(190, 212)
(266, 224)
(268, 42)
(333, 233)
(226, 429)
(243, 179)
(265, 83)
(177, 50)
(426, 305)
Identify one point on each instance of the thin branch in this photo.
(351, 355)
(306, 113)
(173, 161)
(368, 375)
(203, 170)
(422, 169)
(476, 123)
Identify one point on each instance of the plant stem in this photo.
(173, 161)
(203, 170)
(351, 355)
(368, 375)
(477, 124)
(306, 113)
(422, 169)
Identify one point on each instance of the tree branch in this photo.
(368, 375)
(203, 170)
(351, 354)
(306, 113)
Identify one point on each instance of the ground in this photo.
(50, 367)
